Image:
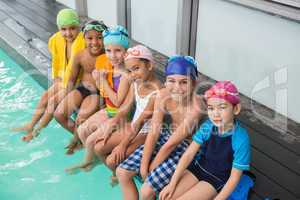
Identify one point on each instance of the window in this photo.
(285, 8)
(294, 3)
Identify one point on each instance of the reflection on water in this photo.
(23, 163)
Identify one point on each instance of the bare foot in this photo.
(72, 147)
(28, 137)
(77, 168)
(73, 170)
(25, 128)
(88, 166)
(36, 132)
(114, 181)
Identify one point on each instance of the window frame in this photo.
(281, 8)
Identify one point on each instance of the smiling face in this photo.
(179, 86)
(69, 32)
(222, 113)
(94, 42)
(138, 69)
(115, 54)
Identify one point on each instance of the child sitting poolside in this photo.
(155, 161)
(63, 45)
(113, 83)
(85, 95)
(224, 155)
(114, 147)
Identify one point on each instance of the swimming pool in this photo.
(35, 171)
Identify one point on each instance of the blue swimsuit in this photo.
(219, 153)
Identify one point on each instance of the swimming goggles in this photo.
(97, 27)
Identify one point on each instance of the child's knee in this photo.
(59, 116)
(89, 143)
(110, 162)
(147, 192)
(51, 106)
(99, 149)
(81, 133)
(123, 174)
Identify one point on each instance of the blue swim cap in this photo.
(117, 35)
(182, 65)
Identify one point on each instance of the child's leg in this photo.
(91, 125)
(186, 182)
(40, 109)
(64, 110)
(127, 184)
(47, 116)
(89, 149)
(135, 143)
(111, 160)
(89, 106)
(202, 190)
(102, 150)
(127, 170)
(160, 176)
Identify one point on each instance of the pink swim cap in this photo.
(224, 90)
(139, 51)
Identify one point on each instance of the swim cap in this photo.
(139, 51)
(182, 65)
(67, 17)
(117, 35)
(223, 90)
(94, 25)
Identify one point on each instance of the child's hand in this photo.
(56, 80)
(144, 172)
(106, 137)
(119, 153)
(167, 192)
(95, 75)
(102, 74)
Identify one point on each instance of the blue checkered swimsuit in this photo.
(158, 178)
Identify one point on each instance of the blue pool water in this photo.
(35, 171)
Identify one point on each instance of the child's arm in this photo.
(132, 131)
(183, 163)
(118, 97)
(136, 126)
(74, 72)
(230, 185)
(185, 129)
(153, 135)
(122, 113)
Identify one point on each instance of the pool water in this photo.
(35, 171)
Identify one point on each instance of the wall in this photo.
(154, 23)
(103, 10)
(69, 3)
(259, 52)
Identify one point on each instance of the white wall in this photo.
(259, 52)
(103, 10)
(154, 24)
(69, 3)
